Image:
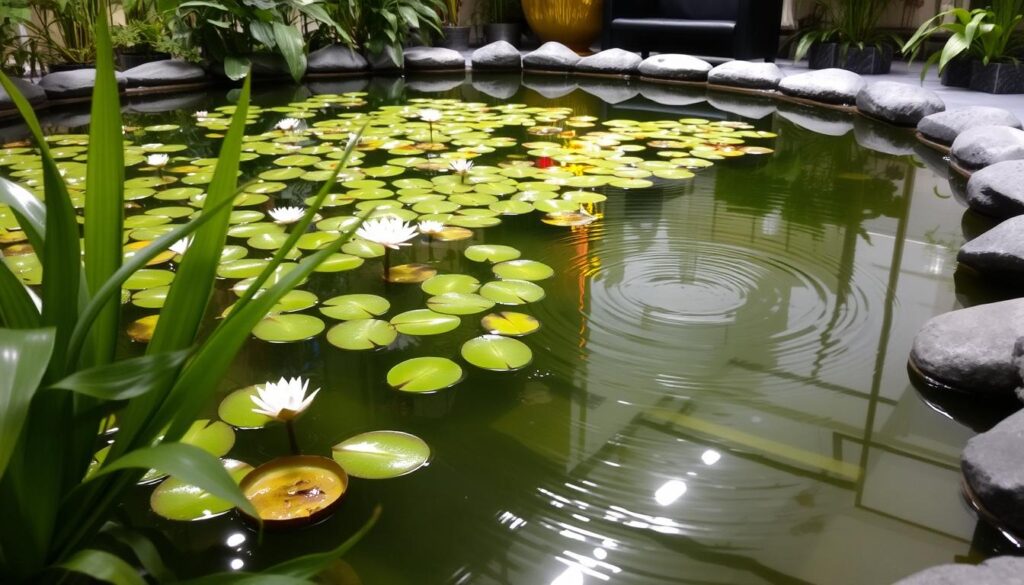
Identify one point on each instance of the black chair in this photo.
(738, 29)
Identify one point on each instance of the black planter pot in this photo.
(866, 61)
(455, 37)
(59, 67)
(997, 77)
(127, 60)
(510, 32)
(957, 73)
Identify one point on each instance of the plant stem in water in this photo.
(293, 442)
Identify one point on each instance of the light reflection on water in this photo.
(714, 358)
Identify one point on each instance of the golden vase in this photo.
(574, 23)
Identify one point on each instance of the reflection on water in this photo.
(719, 391)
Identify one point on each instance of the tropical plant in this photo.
(229, 31)
(63, 29)
(851, 23)
(989, 34)
(60, 380)
(451, 12)
(13, 49)
(383, 26)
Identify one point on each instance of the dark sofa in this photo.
(737, 29)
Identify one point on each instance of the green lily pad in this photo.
(363, 249)
(424, 322)
(509, 324)
(356, 306)
(148, 278)
(424, 374)
(497, 353)
(381, 454)
(360, 334)
(237, 410)
(288, 328)
(243, 268)
(151, 298)
(523, 270)
(491, 253)
(339, 263)
(459, 303)
(177, 500)
(512, 292)
(450, 283)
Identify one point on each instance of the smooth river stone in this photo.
(612, 61)
(998, 190)
(70, 84)
(972, 349)
(30, 91)
(1000, 249)
(425, 58)
(993, 467)
(336, 59)
(551, 56)
(166, 72)
(746, 74)
(831, 86)
(901, 104)
(995, 571)
(944, 127)
(986, 145)
(497, 55)
(677, 67)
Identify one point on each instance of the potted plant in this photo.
(845, 34)
(982, 49)
(63, 32)
(503, 21)
(454, 36)
(381, 27)
(16, 53)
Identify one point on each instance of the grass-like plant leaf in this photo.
(143, 549)
(24, 358)
(125, 379)
(103, 566)
(28, 209)
(17, 310)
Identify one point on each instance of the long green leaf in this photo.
(27, 208)
(104, 205)
(243, 578)
(104, 567)
(24, 359)
(144, 550)
(308, 566)
(292, 47)
(17, 309)
(125, 379)
(186, 462)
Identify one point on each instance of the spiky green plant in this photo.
(59, 377)
(989, 35)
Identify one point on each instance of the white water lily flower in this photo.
(201, 114)
(286, 215)
(461, 166)
(284, 399)
(288, 124)
(431, 227)
(181, 246)
(430, 115)
(157, 160)
(390, 232)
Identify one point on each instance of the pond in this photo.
(716, 393)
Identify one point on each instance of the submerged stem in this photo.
(293, 442)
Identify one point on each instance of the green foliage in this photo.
(57, 363)
(229, 31)
(63, 30)
(451, 12)
(989, 35)
(13, 49)
(383, 25)
(851, 23)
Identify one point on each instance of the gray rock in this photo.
(944, 127)
(550, 86)
(972, 349)
(386, 60)
(612, 61)
(679, 67)
(610, 91)
(336, 59)
(167, 72)
(552, 56)
(831, 86)
(898, 103)
(30, 91)
(268, 65)
(998, 190)
(338, 86)
(982, 146)
(497, 55)
(70, 84)
(503, 87)
(1000, 249)
(883, 138)
(755, 107)
(993, 468)
(434, 83)
(673, 95)
(995, 571)
(746, 74)
(429, 58)
(817, 120)
(155, 104)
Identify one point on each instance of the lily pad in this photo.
(446, 283)
(355, 306)
(510, 324)
(381, 454)
(288, 328)
(177, 500)
(425, 374)
(497, 353)
(237, 410)
(361, 334)
(424, 322)
(459, 304)
(491, 253)
(148, 278)
(523, 270)
(512, 292)
(141, 330)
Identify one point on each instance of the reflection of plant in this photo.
(851, 23)
(987, 34)
(229, 30)
(57, 352)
